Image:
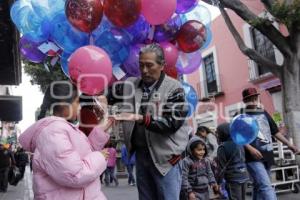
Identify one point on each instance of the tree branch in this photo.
(268, 4)
(265, 26)
(254, 55)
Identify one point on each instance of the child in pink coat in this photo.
(66, 163)
(110, 174)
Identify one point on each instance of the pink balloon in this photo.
(91, 69)
(158, 11)
(170, 52)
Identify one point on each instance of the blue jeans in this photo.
(131, 179)
(151, 184)
(262, 188)
(110, 176)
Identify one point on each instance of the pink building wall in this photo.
(233, 68)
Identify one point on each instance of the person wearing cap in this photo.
(259, 153)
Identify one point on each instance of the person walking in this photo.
(66, 163)
(129, 162)
(5, 163)
(153, 117)
(259, 154)
(231, 163)
(21, 159)
(110, 174)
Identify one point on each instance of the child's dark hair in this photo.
(203, 129)
(223, 132)
(57, 92)
(194, 145)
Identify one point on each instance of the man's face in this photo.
(252, 102)
(149, 68)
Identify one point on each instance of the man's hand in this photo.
(256, 154)
(215, 188)
(128, 117)
(192, 196)
(294, 149)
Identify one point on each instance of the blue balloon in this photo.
(244, 129)
(208, 38)
(65, 36)
(139, 30)
(199, 13)
(191, 98)
(168, 31)
(116, 43)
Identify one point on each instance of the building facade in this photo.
(225, 72)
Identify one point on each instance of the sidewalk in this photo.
(23, 191)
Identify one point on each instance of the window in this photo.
(256, 40)
(209, 74)
(264, 46)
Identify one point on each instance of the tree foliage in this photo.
(42, 77)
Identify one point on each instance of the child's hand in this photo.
(192, 196)
(105, 153)
(215, 188)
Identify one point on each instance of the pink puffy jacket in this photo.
(66, 163)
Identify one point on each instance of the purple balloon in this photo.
(187, 63)
(29, 50)
(131, 65)
(184, 6)
(139, 30)
(167, 31)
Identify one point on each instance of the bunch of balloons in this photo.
(96, 37)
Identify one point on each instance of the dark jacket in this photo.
(230, 157)
(197, 174)
(165, 126)
(21, 158)
(5, 158)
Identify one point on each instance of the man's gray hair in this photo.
(155, 48)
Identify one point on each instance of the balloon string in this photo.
(91, 39)
(151, 33)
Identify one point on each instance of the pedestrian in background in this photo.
(22, 160)
(259, 153)
(66, 163)
(129, 161)
(197, 175)
(231, 163)
(110, 174)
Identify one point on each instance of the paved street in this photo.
(125, 192)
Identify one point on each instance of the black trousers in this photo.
(4, 179)
(236, 191)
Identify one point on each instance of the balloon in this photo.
(171, 71)
(139, 30)
(191, 36)
(27, 21)
(184, 6)
(131, 65)
(244, 129)
(65, 36)
(158, 11)
(208, 39)
(29, 50)
(122, 13)
(85, 15)
(167, 31)
(191, 97)
(116, 43)
(200, 13)
(170, 53)
(188, 62)
(91, 68)
(64, 62)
